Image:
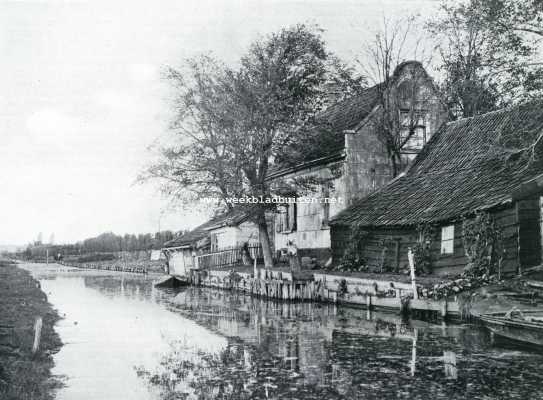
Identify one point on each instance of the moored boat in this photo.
(519, 325)
(172, 281)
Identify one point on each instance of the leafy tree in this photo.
(231, 123)
(489, 54)
(514, 18)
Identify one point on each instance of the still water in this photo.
(125, 339)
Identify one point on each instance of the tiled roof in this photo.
(329, 141)
(233, 217)
(350, 112)
(458, 172)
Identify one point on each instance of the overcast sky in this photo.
(81, 98)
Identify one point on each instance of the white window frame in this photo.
(447, 239)
(420, 125)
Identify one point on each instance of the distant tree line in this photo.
(104, 243)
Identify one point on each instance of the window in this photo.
(286, 218)
(447, 239)
(214, 241)
(412, 130)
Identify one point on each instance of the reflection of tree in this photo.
(134, 287)
(305, 351)
(275, 350)
(237, 372)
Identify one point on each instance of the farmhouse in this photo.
(466, 176)
(350, 159)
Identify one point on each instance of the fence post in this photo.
(37, 334)
(411, 259)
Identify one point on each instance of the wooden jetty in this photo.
(325, 287)
(270, 284)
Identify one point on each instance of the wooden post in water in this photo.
(413, 363)
(37, 334)
(444, 309)
(449, 363)
(411, 259)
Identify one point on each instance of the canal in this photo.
(125, 339)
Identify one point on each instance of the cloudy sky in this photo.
(81, 98)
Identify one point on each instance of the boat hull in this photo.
(172, 281)
(516, 330)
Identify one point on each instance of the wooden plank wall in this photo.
(339, 240)
(396, 255)
(529, 232)
(507, 220)
(398, 242)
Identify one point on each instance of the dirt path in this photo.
(24, 375)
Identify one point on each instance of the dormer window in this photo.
(413, 125)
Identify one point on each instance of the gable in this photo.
(353, 114)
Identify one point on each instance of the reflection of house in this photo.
(223, 233)
(351, 159)
(456, 175)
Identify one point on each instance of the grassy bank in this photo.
(24, 375)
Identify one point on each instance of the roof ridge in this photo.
(505, 109)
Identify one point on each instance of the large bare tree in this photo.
(231, 123)
(392, 46)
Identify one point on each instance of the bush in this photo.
(483, 243)
(422, 249)
(352, 259)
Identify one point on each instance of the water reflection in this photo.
(307, 351)
(136, 342)
(111, 324)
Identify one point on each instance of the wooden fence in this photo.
(227, 257)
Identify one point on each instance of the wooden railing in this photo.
(227, 257)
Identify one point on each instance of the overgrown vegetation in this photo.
(352, 259)
(422, 249)
(483, 244)
(24, 376)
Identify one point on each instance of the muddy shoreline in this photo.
(24, 375)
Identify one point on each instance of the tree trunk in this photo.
(265, 241)
(393, 165)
